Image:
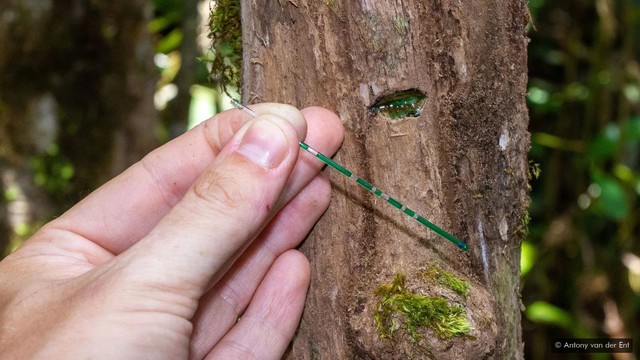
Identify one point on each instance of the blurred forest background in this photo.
(89, 87)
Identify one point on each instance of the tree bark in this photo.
(462, 163)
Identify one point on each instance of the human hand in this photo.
(161, 261)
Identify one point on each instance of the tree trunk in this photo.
(462, 163)
(76, 95)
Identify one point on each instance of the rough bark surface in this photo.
(462, 163)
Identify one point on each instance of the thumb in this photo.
(225, 208)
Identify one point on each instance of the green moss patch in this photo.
(447, 280)
(225, 31)
(398, 308)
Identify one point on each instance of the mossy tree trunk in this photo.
(462, 163)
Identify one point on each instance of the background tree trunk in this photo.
(462, 163)
(76, 98)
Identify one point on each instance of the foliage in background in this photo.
(75, 104)
(166, 25)
(584, 96)
(64, 129)
(196, 60)
(225, 31)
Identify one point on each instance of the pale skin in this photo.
(188, 254)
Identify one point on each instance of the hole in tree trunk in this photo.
(400, 104)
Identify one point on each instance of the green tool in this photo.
(368, 186)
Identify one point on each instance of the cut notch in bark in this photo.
(400, 104)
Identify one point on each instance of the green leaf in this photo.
(606, 144)
(170, 42)
(11, 193)
(613, 201)
(624, 173)
(538, 96)
(528, 257)
(158, 24)
(631, 130)
(545, 313)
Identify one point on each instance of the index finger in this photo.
(125, 209)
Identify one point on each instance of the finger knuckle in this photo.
(218, 190)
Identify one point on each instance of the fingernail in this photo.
(264, 144)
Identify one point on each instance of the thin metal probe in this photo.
(395, 203)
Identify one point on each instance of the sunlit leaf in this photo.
(613, 202)
(576, 92)
(624, 173)
(203, 104)
(605, 144)
(66, 171)
(158, 24)
(556, 142)
(631, 131)
(170, 42)
(632, 93)
(538, 95)
(632, 262)
(528, 257)
(11, 193)
(545, 313)
(22, 229)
